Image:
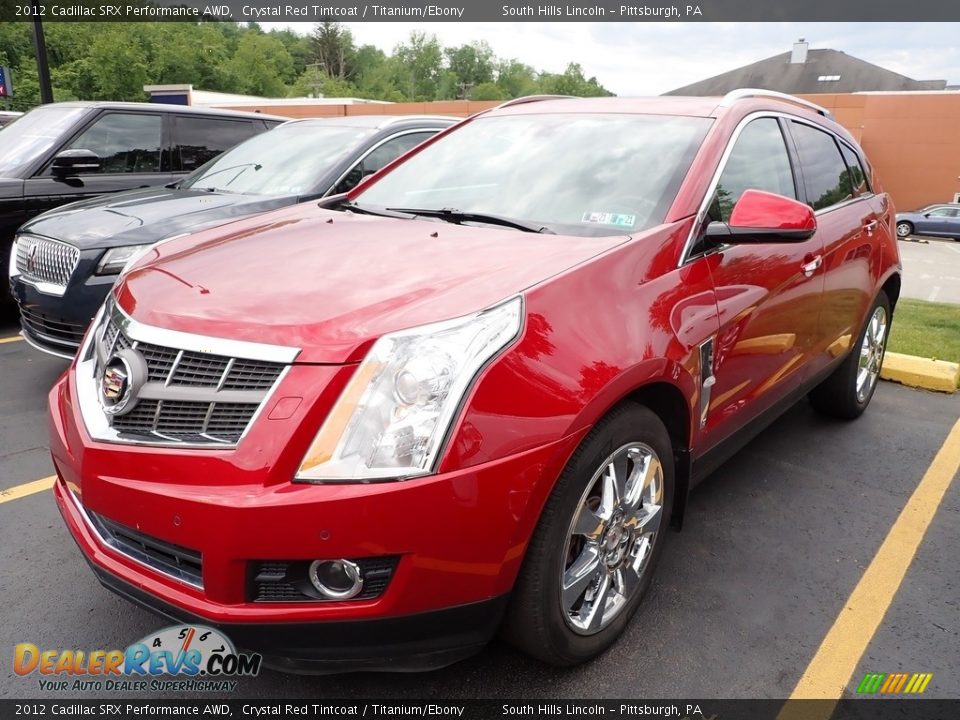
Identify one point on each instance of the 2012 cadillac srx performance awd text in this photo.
(473, 394)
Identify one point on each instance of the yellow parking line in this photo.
(829, 672)
(29, 488)
(15, 338)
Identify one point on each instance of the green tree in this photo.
(470, 65)
(421, 63)
(487, 91)
(516, 79)
(572, 82)
(333, 49)
(261, 66)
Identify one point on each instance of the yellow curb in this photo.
(921, 372)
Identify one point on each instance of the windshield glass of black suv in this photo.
(32, 135)
(288, 160)
(577, 174)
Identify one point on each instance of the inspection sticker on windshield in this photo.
(615, 219)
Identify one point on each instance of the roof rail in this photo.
(743, 93)
(532, 99)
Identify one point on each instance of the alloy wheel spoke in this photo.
(588, 524)
(583, 571)
(594, 619)
(630, 580)
(646, 518)
(610, 493)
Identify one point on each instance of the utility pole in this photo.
(40, 46)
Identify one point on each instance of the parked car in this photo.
(935, 220)
(8, 117)
(476, 395)
(60, 153)
(83, 246)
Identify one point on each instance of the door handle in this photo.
(870, 226)
(811, 266)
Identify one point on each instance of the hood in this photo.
(330, 283)
(141, 217)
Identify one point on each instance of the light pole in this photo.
(40, 46)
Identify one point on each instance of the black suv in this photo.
(65, 261)
(60, 153)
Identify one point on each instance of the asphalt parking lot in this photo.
(931, 270)
(773, 546)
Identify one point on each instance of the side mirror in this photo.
(762, 217)
(926, 215)
(75, 162)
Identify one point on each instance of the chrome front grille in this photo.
(180, 391)
(175, 367)
(46, 263)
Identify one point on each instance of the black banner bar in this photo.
(312, 11)
(123, 709)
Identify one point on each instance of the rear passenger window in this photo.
(125, 143)
(825, 175)
(199, 139)
(858, 178)
(758, 161)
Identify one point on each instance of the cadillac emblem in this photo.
(123, 375)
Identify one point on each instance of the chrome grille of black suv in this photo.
(46, 261)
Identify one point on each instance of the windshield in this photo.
(288, 160)
(34, 134)
(591, 174)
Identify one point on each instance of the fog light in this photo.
(336, 579)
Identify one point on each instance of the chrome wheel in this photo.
(904, 229)
(871, 353)
(611, 538)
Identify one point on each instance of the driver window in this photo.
(125, 143)
(759, 161)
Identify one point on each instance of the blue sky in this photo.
(651, 58)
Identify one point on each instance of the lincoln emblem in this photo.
(31, 258)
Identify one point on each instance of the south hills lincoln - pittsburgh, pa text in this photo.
(624, 11)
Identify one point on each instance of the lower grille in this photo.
(280, 581)
(174, 560)
(52, 328)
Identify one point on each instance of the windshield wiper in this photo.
(365, 210)
(458, 217)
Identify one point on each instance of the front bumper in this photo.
(56, 324)
(459, 536)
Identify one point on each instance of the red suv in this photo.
(473, 394)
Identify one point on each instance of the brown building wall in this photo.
(912, 139)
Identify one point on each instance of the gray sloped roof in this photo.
(778, 73)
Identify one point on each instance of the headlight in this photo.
(114, 259)
(391, 419)
(13, 258)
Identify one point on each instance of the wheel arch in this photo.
(891, 287)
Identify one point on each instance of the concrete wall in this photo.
(912, 139)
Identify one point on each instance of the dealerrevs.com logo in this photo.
(201, 658)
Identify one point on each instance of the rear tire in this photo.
(848, 390)
(595, 548)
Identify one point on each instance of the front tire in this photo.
(904, 229)
(595, 548)
(848, 391)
